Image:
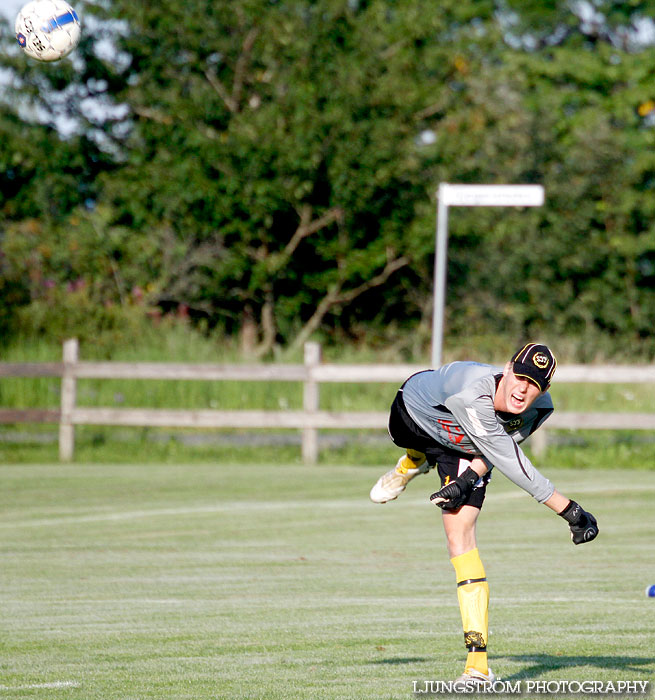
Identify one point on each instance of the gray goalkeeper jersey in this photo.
(455, 405)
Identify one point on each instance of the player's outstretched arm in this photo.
(582, 524)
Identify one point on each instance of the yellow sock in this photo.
(417, 457)
(411, 460)
(473, 596)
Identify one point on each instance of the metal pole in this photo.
(441, 251)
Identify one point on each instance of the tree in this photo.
(573, 115)
(271, 166)
(276, 144)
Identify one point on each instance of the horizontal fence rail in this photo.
(309, 420)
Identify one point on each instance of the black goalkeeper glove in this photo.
(453, 495)
(582, 524)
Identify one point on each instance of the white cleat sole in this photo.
(390, 485)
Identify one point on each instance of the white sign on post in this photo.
(491, 195)
(468, 196)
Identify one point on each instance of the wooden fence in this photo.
(309, 420)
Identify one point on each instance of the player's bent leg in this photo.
(390, 485)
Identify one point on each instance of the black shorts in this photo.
(450, 464)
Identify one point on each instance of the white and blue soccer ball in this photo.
(47, 29)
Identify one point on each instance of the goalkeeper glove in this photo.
(453, 495)
(582, 524)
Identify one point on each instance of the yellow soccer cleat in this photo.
(390, 485)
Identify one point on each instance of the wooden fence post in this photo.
(539, 442)
(310, 403)
(68, 400)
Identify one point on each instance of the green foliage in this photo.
(81, 278)
(583, 264)
(269, 168)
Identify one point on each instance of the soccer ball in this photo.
(47, 29)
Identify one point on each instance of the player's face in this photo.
(515, 394)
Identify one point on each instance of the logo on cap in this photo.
(540, 360)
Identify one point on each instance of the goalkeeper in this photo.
(465, 418)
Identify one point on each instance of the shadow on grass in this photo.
(536, 664)
(403, 660)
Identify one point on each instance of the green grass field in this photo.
(201, 582)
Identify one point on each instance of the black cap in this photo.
(536, 363)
